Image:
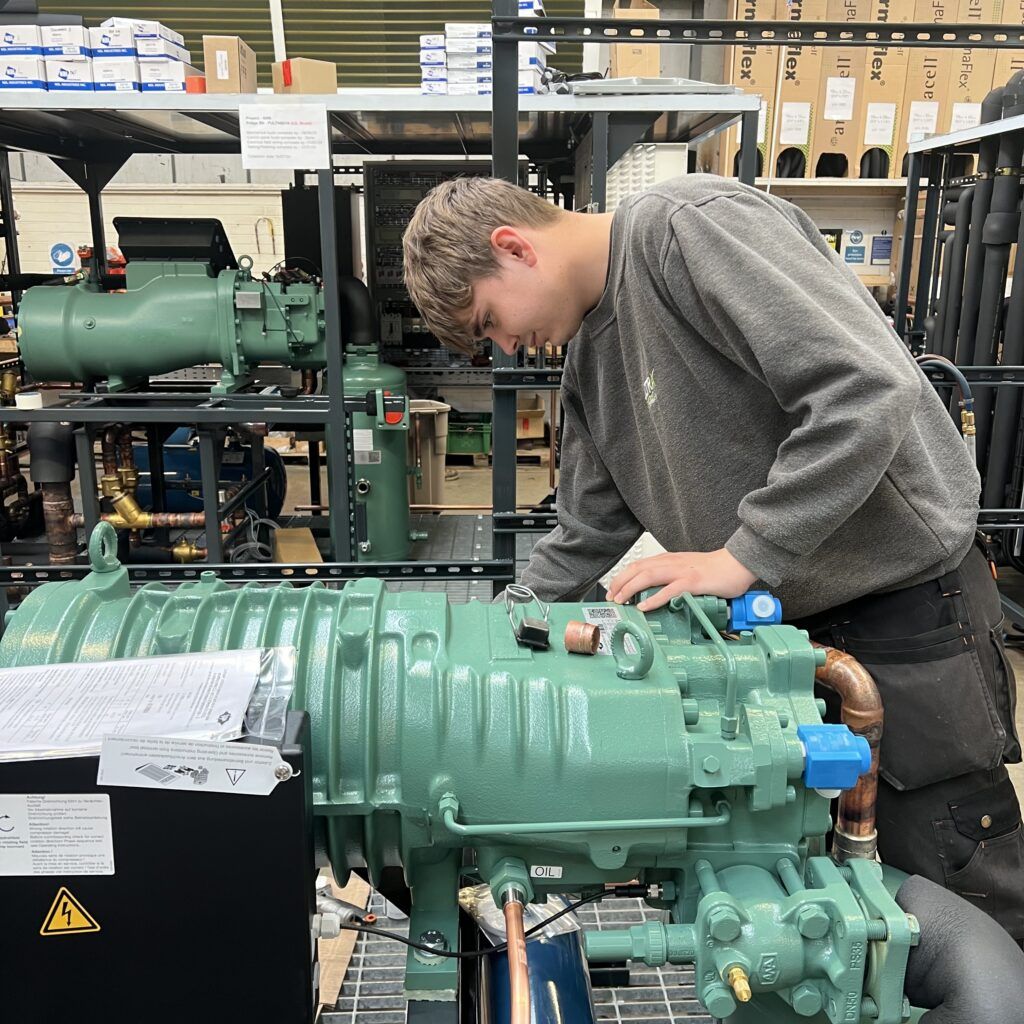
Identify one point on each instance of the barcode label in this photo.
(604, 617)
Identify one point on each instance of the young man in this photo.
(733, 389)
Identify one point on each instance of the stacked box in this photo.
(20, 41)
(22, 74)
(433, 65)
(67, 58)
(131, 54)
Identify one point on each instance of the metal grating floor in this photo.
(372, 991)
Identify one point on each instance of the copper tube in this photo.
(108, 447)
(862, 712)
(582, 637)
(61, 536)
(148, 520)
(518, 968)
(309, 382)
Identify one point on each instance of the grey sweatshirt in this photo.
(736, 386)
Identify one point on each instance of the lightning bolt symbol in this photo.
(66, 913)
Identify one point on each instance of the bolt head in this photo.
(719, 1001)
(806, 1000)
(711, 764)
(724, 924)
(283, 772)
(812, 922)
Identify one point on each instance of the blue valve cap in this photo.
(754, 608)
(835, 758)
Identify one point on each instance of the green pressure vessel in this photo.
(442, 746)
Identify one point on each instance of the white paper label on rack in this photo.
(55, 834)
(965, 115)
(362, 440)
(923, 119)
(880, 124)
(223, 71)
(795, 124)
(839, 96)
(762, 125)
(63, 710)
(191, 766)
(285, 135)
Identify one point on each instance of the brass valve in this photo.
(967, 423)
(739, 982)
(186, 551)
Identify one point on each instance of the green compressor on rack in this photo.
(488, 740)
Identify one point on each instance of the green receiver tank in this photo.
(682, 759)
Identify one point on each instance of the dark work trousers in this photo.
(946, 807)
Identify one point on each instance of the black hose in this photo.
(956, 256)
(51, 448)
(356, 313)
(991, 110)
(935, 324)
(998, 235)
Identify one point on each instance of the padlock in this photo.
(533, 632)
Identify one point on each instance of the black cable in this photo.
(494, 949)
(294, 259)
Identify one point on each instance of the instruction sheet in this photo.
(66, 710)
(55, 834)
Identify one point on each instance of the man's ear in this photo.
(511, 244)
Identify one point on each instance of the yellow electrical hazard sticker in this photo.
(68, 917)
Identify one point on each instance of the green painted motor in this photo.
(683, 758)
(171, 315)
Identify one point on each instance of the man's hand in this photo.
(715, 573)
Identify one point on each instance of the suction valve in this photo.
(834, 757)
(754, 608)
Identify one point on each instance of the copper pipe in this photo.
(862, 712)
(149, 520)
(582, 637)
(125, 450)
(108, 447)
(518, 967)
(61, 536)
(309, 382)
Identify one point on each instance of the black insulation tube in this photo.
(953, 286)
(356, 312)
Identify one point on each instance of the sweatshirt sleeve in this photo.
(595, 527)
(777, 301)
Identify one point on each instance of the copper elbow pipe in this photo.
(108, 446)
(518, 968)
(309, 382)
(862, 712)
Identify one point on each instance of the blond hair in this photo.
(448, 247)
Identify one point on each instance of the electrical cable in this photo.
(284, 319)
(481, 952)
(295, 259)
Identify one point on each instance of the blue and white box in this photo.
(434, 88)
(466, 30)
(66, 42)
(158, 48)
(470, 61)
(434, 41)
(20, 41)
(530, 82)
(68, 75)
(141, 28)
(112, 41)
(115, 74)
(22, 74)
(433, 73)
(470, 78)
(469, 45)
(164, 75)
(469, 89)
(433, 58)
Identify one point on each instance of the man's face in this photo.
(528, 302)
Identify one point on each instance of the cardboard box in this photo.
(456, 77)
(467, 30)
(434, 58)
(432, 42)
(65, 41)
(755, 70)
(156, 47)
(1009, 62)
(793, 124)
(433, 87)
(112, 41)
(530, 417)
(433, 73)
(140, 27)
(468, 46)
(306, 76)
(925, 96)
(469, 89)
(22, 74)
(470, 61)
(164, 75)
(115, 74)
(20, 41)
(295, 545)
(230, 65)
(635, 60)
(885, 81)
(840, 97)
(68, 75)
(970, 76)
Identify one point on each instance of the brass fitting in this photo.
(967, 423)
(8, 386)
(129, 478)
(129, 513)
(110, 486)
(739, 983)
(186, 551)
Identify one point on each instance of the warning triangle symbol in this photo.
(234, 774)
(68, 917)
